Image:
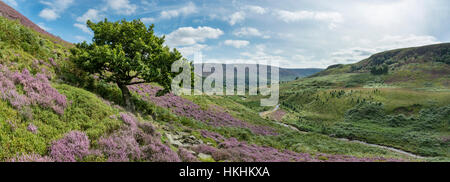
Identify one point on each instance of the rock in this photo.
(172, 141)
(205, 157)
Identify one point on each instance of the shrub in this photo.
(32, 128)
(186, 156)
(365, 111)
(129, 119)
(434, 118)
(120, 147)
(136, 142)
(72, 147)
(398, 120)
(379, 70)
(30, 158)
(38, 90)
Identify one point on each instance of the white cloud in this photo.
(55, 8)
(249, 32)
(258, 52)
(80, 38)
(148, 20)
(333, 18)
(191, 50)
(12, 3)
(190, 36)
(256, 9)
(188, 9)
(237, 43)
(402, 41)
(42, 25)
(121, 7)
(49, 14)
(83, 27)
(388, 42)
(236, 18)
(92, 14)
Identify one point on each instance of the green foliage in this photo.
(365, 110)
(380, 70)
(434, 119)
(86, 112)
(20, 38)
(126, 53)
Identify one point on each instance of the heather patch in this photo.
(32, 128)
(136, 142)
(186, 156)
(186, 108)
(74, 146)
(31, 158)
(236, 151)
(36, 90)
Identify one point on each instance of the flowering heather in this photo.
(38, 90)
(136, 142)
(158, 152)
(32, 128)
(186, 156)
(52, 61)
(120, 147)
(206, 149)
(236, 151)
(12, 125)
(31, 158)
(128, 119)
(74, 145)
(187, 108)
(215, 136)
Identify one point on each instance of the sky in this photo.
(296, 33)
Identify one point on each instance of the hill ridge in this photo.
(12, 14)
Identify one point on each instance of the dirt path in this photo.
(263, 114)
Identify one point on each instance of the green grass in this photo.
(319, 104)
(86, 112)
(287, 139)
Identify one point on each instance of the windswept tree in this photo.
(126, 53)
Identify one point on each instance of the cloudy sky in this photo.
(297, 33)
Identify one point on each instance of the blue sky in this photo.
(297, 33)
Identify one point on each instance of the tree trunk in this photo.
(126, 96)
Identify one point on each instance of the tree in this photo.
(126, 53)
(380, 70)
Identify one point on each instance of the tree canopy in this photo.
(126, 53)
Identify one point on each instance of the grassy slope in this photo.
(415, 82)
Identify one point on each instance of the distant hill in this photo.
(286, 74)
(10, 13)
(397, 59)
(289, 74)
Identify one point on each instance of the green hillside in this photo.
(52, 111)
(398, 98)
(417, 67)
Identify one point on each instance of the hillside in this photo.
(406, 107)
(10, 13)
(287, 74)
(426, 66)
(52, 111)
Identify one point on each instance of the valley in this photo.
(391, 107)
